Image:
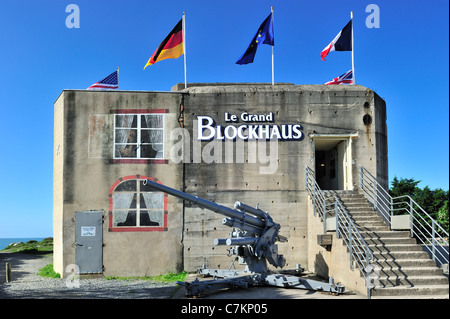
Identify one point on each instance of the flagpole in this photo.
(353, 49)
(184, 49)
(118, 79)
(273, 46)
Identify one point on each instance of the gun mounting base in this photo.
(232, 279)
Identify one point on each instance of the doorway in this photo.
(89, 241)
(332, 155)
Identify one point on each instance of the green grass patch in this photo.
(31, 246)
(49, 272)
(169, 277)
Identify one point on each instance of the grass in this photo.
(31, 246)
(36, 247)
(46, 246)
(49, 272)
(170, 277)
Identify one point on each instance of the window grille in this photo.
(139, 136)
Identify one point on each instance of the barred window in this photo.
(139, 136)
(136, 206)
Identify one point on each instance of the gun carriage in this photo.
(253, 242)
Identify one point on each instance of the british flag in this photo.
(111, 82)
(346, 78)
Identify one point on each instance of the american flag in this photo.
(111, 82)
(346, 78)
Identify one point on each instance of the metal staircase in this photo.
(394, 264)
(403, 269)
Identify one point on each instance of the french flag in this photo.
(342, 42)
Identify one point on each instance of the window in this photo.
(139, 136)
(136, 207)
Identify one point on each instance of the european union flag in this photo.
(264, 36)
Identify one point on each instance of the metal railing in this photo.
(422, 226)
(325, 205)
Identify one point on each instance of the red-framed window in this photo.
(135, 207)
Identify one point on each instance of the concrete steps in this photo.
(412, 292)
(401, 268)
(392, 281)
(408, 271)
(394, 248)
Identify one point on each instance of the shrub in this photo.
(48, 271)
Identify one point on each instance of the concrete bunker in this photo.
(100, 163)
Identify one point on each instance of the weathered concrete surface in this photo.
(84, 176)
(334, 121)
(334, 262)
(328, 115)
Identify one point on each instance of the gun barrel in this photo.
(219, 242)
(241, 225)
(251, 210)
(207, 204)
(241, 241)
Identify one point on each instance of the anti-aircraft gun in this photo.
(252, 240)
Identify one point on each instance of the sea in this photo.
(4, 242)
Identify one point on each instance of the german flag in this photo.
(171, 47)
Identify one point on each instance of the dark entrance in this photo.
(332, 167)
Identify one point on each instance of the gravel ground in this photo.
(26, 284)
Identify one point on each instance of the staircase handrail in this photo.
(360, 253)
(422, 226)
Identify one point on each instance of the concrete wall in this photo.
(58, 196)
(85, 171)
(321, 110)
(333, 262)
(264, 173)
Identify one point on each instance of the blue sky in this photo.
(405, 60)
